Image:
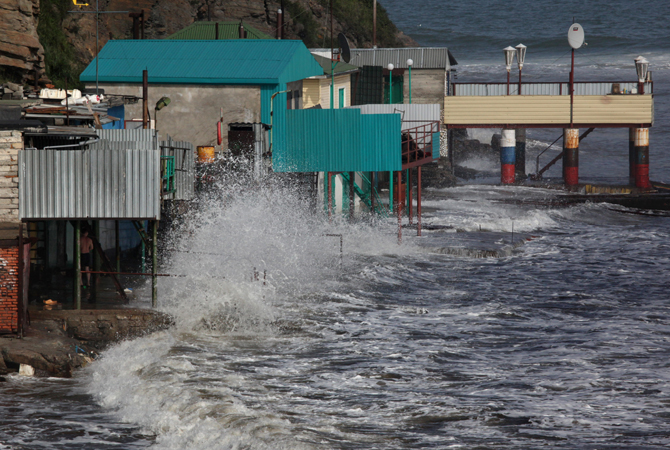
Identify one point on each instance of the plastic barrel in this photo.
(205, 154)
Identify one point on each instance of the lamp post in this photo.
(520, 57)
(642, 68)
(390, 68)
(509, 59)
(410, 63)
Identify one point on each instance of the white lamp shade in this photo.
(642, 67)
(509, 57)
(410, 63)
(520, 55)
(390, 66)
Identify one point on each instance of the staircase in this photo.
(379, 209)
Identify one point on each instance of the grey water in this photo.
(563, 344)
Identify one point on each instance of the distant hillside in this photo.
(68, 38)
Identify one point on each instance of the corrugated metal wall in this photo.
(549, 110)
(339, 140)
(89, 184)
(492, 89)
(134, 135)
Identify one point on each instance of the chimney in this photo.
(216, 31)
(242, 31)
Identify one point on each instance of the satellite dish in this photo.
(345, 51)
(576, 36)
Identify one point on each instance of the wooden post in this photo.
(77, 265)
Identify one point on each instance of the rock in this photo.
(20, 48)
(26, 370)
(437, 175)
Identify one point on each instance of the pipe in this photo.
(145, 98)
(374, 24)
(272, 116)
(69, 145)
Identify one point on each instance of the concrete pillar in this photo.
(571, 156)
(642, 158)
(507, 156)
(631, 156)
(520, 154)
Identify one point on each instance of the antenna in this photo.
(345, 51)
(576, 36)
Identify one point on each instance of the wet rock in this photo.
(438, 174)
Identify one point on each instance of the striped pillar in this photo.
(631, 156)
(520, 154)
(642, 158)
(571, 156)
(507, 156)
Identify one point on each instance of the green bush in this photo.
(59, 54)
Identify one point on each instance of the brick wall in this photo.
(9, 289)
(10, 144)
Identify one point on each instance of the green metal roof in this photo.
(227, 30)
(240, 61)
(340, 66)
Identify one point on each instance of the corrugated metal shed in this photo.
(89, 184)
(227, 30)
(241, 61)
(339, 140)
(140, 138)
(423, 57)
(412, 115)
(548, 110)
(581, 88)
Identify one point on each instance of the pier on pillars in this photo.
(507, 156)
(642, 158)
(571, 156)
(520, 153)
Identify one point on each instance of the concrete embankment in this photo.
(60, 341)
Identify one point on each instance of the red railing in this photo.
(417, 143)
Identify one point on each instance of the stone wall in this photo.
(9, 289)
(10, 144)
(194, 110)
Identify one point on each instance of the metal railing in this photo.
(550, 88)
(417, 144)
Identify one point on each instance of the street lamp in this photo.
(520, 57)
(642, 68)
(509, 59)
(390, 68)
(160, 104)
(410, 63)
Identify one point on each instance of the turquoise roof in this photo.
(238, 61)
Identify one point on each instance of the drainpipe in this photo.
(272, 99)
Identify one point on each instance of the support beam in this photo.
(77, 264)
(398, 207)
(154, 265)
(642, 158)
(352, 208)
(507, 156)
(520, 150)
(418, 201)
(117, 245)
(571, 156)
(631, 156)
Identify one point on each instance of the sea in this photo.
(286, 339)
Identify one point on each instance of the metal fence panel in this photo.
(339, 140)
(411, 115)
(129, 135)
(184, 163)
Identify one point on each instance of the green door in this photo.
(341, 98)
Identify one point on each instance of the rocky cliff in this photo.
(21, 53)
(62, 21)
